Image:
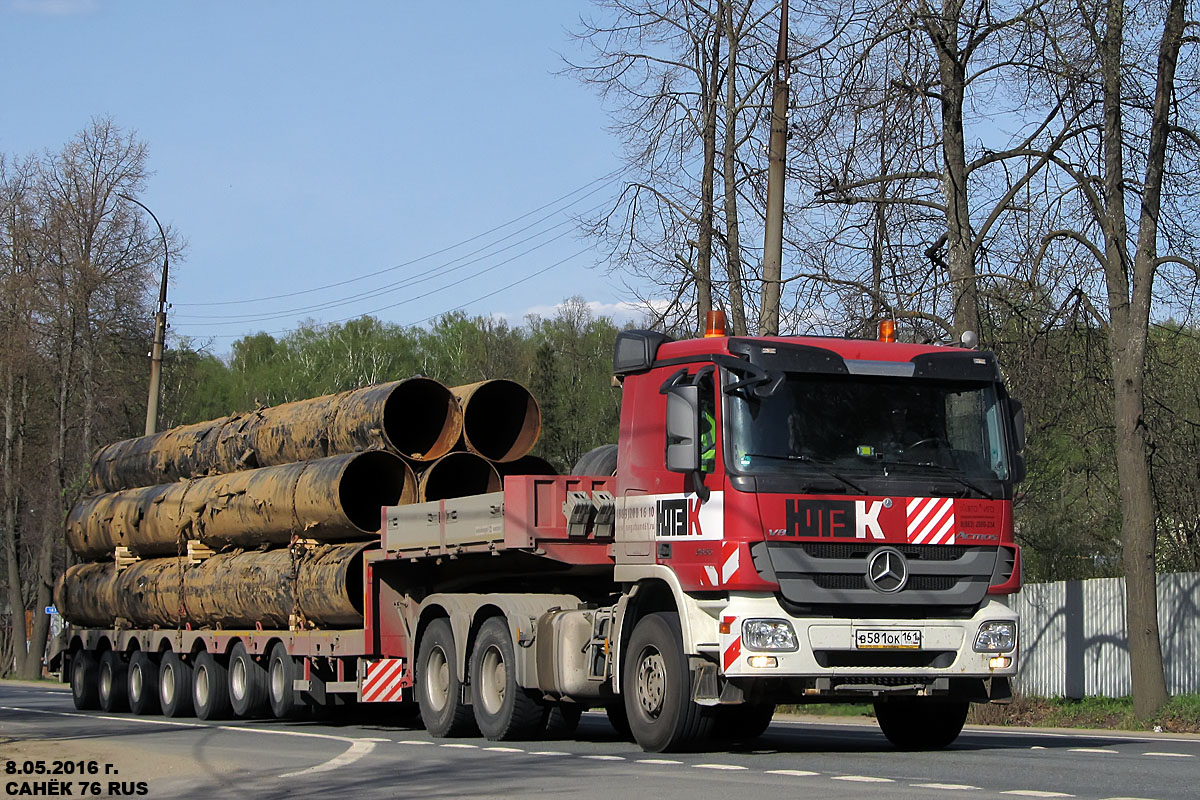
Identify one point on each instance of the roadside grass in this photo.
(827, 709)
(1181, 714)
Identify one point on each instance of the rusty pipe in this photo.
(330, 499)
(501, 419)
(458, 474)
(229, 590)
(417, 418)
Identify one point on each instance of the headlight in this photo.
(768, 634)
(996, 637)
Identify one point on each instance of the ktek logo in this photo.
(679, 517)
(848, 519)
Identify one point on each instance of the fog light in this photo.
(996, 637)
(768, 634)
(999, 662)
(759, 662)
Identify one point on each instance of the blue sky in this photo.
(301, 144)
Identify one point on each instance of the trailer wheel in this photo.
(914, 723)
(143, 683)
(281, 677)
(111, 688)
(561, 720)
(439, 691)
(84, 683)
(658, 689)
(743, 722)
(247, 684)
(210, 687)
(175, 685)
(503, 709)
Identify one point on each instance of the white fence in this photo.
(1073, 641)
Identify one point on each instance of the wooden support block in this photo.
(197, 552)
(124, 558)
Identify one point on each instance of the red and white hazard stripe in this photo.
(931, 520)
(384, 681)
(732, 649)
(731, 561)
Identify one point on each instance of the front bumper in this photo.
(826, 648)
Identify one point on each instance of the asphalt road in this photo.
(116, 755)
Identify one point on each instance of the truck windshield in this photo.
(869, 425)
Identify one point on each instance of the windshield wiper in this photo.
(946, 471)
(811, 462)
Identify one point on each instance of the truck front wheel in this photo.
(657, 688)
(503, 710)
(84, 680)
(439, 691)
(112, 688)
(917, 723)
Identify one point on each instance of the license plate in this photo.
(868, 639)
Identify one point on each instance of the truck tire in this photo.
(210, 687)
(247, 684)
(658, 689)
(112, 689)
(917, 723)
(503, 709)
(281, 677)
(175, 685)
(84, 680)
(439, 691)
(743, 722)
(619, 719)
(143, 683)
(600, 460)
(562, 719)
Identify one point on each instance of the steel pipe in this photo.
(322, 585)
(501, 419)
(458, 474)
(330, 499)
(417, 418)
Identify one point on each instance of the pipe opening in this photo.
(502, 420)
(459, 475)
(372, 480)
(421, 419)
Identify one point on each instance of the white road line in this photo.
(794, 773)
(504, 749)
(950, 787)
(1035, 793)
(718, 766)
(357, 750)
(458, 746)
(1169, 755)
(657, 761)
(420, 742)
(605, 758)
(548, 753)
(862, 779)
(1093, 750)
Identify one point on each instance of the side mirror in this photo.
(1018, 468)
(683, 428)
(1017, 409)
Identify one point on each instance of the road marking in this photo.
(605, 758)
(862, 779)
(795, 773)
(657, 761)
(1093, 750)
(457, 746)
(1035, 793)
(950, 787)
(1169, 755)
(413, 741)
(357, 750)
(718, 766)
(548, 753)
(504, 749)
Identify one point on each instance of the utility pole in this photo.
(768, 321)
(160, 327)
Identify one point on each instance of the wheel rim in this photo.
(493, 680)
(277, 680)
(651, 682)
(437, 679)
(202, 687)
(135, 681)
(237, 679)
(105, 680)
(77, 677)
(168, 684)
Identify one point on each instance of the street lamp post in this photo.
(160, 327)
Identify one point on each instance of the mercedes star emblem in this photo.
(887, 570)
